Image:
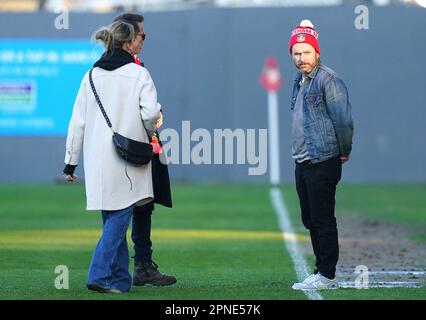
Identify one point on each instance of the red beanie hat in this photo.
(305, 33)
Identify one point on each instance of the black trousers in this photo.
(141, 232)
(316, 188)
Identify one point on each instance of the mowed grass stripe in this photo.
(88, 237)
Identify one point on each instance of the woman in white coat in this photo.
(113, 186)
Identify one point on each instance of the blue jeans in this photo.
(109, 267)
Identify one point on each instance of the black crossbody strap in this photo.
(99, 101)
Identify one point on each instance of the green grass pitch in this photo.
(220, 241)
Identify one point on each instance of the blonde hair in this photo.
(115, 35)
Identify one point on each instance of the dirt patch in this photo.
(385, 249)
(379, 245)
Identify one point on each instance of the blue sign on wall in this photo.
(39, 80)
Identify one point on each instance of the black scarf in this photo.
(114, 60)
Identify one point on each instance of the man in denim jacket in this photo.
(322, 131)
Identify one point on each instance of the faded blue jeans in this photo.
(109, 267)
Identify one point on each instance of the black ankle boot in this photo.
(147, 273)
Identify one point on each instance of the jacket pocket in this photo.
(314, 99)
(314, 102)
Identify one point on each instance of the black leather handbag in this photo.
(135, 152)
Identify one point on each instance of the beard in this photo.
(307, 67)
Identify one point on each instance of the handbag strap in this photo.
(99, 101)
(102, 108)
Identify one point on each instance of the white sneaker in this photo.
(307, 280)
(316, 282)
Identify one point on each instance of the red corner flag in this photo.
(270, 77)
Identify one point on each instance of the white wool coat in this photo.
(129, 98)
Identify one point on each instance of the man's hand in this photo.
(344, 159)
(159, 121)
(70, 177)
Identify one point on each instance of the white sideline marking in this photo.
(383, 284)
(376, 278)
(293, 249)
(386, 272)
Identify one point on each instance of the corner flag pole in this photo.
(270, 79)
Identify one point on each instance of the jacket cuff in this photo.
(69, 169)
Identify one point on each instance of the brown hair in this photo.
(131, 18)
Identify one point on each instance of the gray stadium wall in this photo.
(206, 65)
